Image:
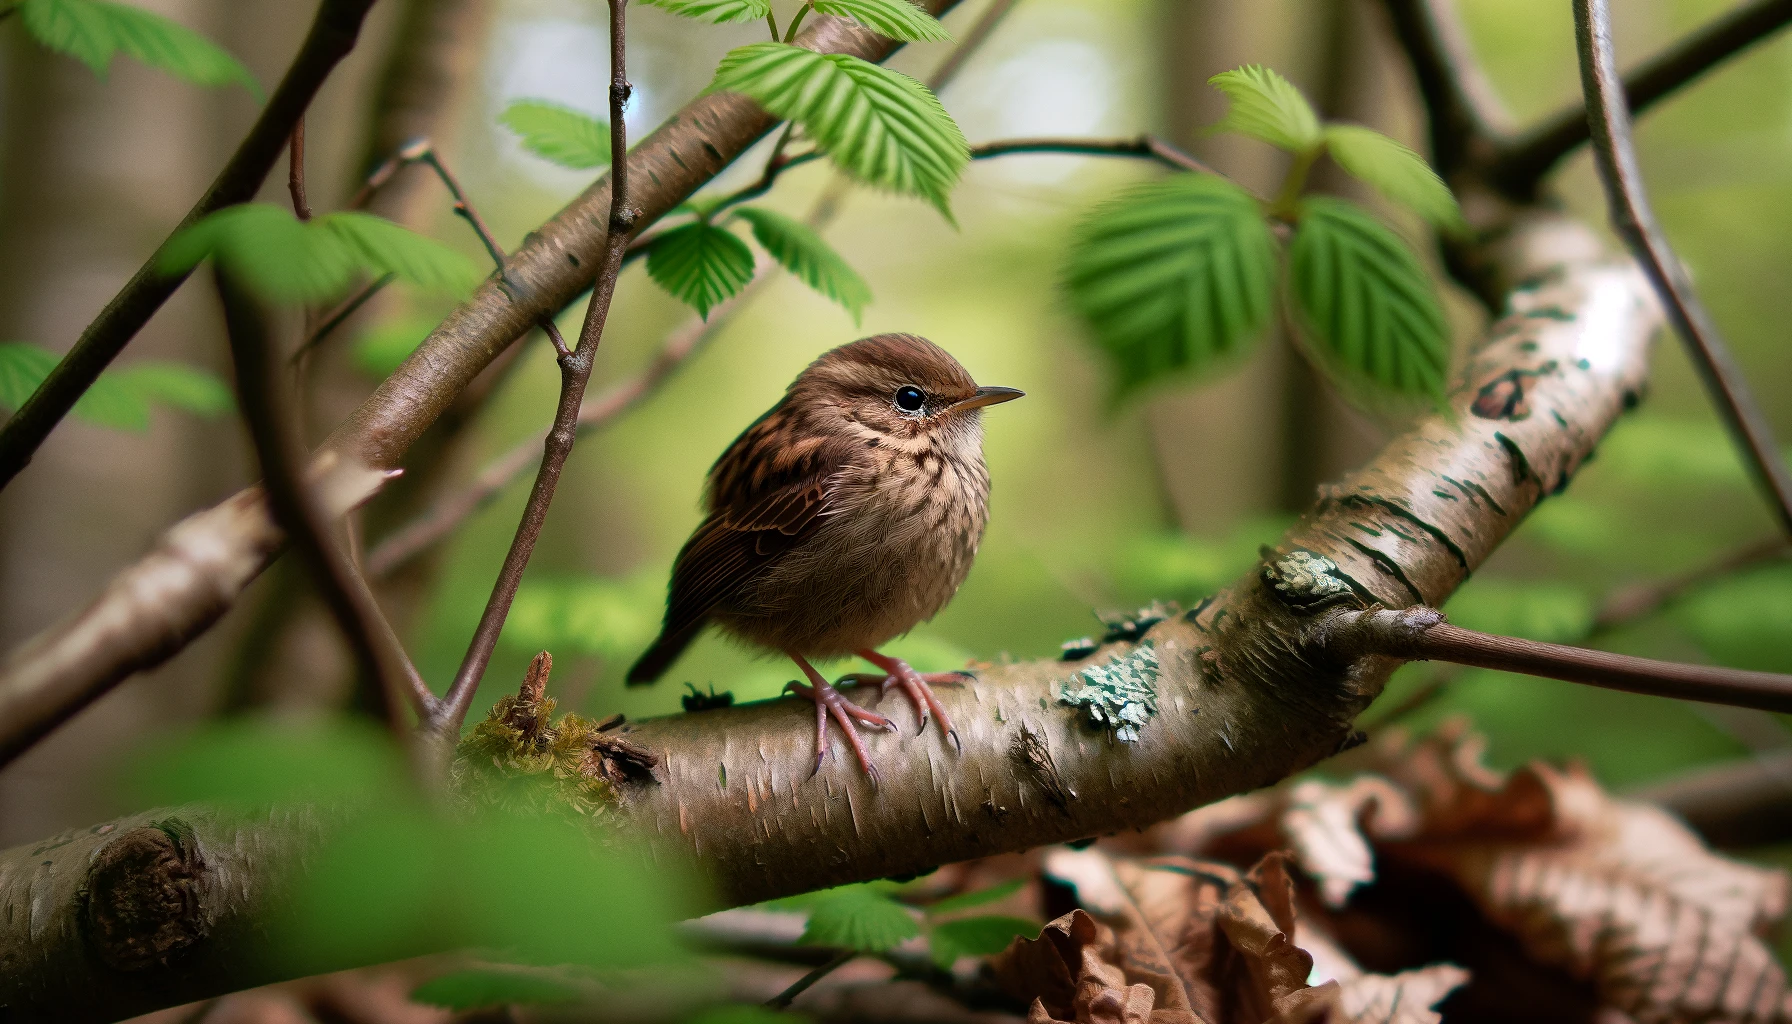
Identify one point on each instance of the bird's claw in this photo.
(848, 716)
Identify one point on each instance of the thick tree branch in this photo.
(1609, 118)
(575, 374)
(1527, 160)
(545, 273)
(278, 447)
(331, 38)
(1246, 688)
(1421, 634)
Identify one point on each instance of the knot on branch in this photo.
(1306, 582)
(140, 901)
(522, 759)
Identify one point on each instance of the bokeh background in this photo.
(1094, 507)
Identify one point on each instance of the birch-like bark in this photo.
(1248, 688)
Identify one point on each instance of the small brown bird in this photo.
(841, 518)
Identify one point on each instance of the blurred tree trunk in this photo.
(94, 175)
(1268, 427)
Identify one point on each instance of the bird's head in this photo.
(899, 388)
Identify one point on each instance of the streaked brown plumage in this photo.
(845, 515)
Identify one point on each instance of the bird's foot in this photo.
(829, 702)
(917, 686)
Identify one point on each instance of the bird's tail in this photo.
(653, 664)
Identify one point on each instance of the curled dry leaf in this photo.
(1619, 894)
(1170, 940)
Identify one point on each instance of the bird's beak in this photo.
(988, 396)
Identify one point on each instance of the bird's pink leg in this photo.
(918, 687)
(829, 701)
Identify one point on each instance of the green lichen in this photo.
(1118, 696)
(1307, 582)
(520, 759)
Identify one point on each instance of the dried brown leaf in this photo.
(1170, 940)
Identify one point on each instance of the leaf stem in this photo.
(771, 22)
(295, 171)
(1287, 202)
(801, 985)
(575, 374)
(801, 13)
(1608, 115)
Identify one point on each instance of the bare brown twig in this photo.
(1609, 118)
(1462, 107)
(575, 374)
(267, 410)
(332, 36)
(783, 999)
(295, 170)
(1421, 634)
(1527, 160)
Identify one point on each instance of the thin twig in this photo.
(1623, 606)
(801, 985)
(969, 43)
(1149, 147)
(1531, 157)
(332, 36)
(1461, 105)
(447, 513)
(295, 171)
(1421, 634)
(1609, 120)
(575, 374)
(269, 414)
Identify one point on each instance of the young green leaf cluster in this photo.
(704, 264)
(897, 19)
(121, 398)
(1177, 275)
(560, 134)
(283, 260)
(872, 918)
(93, 31)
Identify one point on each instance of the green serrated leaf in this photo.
(176, 385)
(858, 917)
(897, 19)
(384, 247)
(266, 250)
(568, 137)
(1267, 106)
(700, 264)
(484, 989)
(976, 936)
(967, 900)
(716, 11)
(1362, 295)
(1396, 172)
(108, 403)
(804, 253)
(1173, 275)
(879, 126)
(22, 368)
(91, 31)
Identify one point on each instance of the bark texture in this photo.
(1248, 687)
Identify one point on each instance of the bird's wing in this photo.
(763, 508)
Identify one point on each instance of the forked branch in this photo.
(1530, 158)
(575, 374)
(1608, 116)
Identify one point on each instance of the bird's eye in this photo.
(910, 399)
